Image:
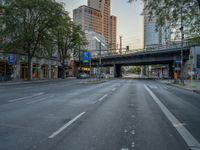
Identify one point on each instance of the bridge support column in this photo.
(117, 71)
(171, 71)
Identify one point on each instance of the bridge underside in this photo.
(118, 73)
(166, 57)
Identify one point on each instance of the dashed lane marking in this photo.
(39, 100)
(23, 98)
(114, 89)
(103, 97)
(66, 125)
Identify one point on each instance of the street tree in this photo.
(27, 25)
(68, 36)
(169, 13)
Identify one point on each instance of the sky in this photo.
(129, 20)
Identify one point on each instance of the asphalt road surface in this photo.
(114, 115)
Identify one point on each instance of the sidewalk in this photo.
(16, 82)
(195, 86)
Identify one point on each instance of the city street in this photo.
(120, 114)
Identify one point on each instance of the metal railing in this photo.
(174, 45)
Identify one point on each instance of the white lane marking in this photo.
(133, 144)
(102, 97)
(22, 98)
(132, 116)
(186, 135)
(114, 89)
(65, 126)
(180, 124)
(39, 100)
(133, 132)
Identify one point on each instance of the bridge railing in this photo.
(174, 45)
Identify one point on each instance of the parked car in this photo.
(83, 76)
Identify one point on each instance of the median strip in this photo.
(65, 126)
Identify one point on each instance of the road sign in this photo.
(11, 59)
(85, 57)
(178, 62)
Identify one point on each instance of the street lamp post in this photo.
(79, 59)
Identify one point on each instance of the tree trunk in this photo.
(29, 68)
(63, 71)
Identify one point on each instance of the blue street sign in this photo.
(178, 61)
(11, 59)
(85, 57)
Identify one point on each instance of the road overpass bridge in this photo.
(163, 55)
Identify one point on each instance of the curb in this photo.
(178, 86)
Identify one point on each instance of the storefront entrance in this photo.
(35, 72)
(45, 71)
(24, 71)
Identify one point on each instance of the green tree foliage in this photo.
(135, 70)
(27, 25)
(38, 28)
(168, 14)
(68, 37)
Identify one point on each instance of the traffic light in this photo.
(127, 48)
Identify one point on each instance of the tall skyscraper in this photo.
(151, 36)
(104, 7)
(89, 18)
(113, 31)
(96, 17)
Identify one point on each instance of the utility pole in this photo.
(120, 49)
